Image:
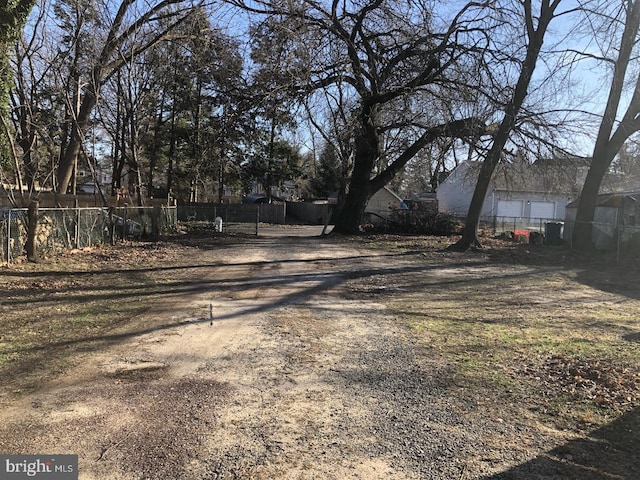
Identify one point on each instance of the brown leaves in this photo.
(605, 383)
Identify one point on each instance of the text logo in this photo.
(45, 467)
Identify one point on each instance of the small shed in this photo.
(616, 221)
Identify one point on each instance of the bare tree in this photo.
(182, 121)
(13, 15)
(133, 28)
(330, 114)
(613, 131)
(35, 115)
(536, 23)
(400, 63)
(28, 83)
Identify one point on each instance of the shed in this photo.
(616, 219)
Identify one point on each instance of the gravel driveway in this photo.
(277, 366)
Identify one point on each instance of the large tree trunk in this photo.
(362, 187)
(470, 232)
(350, 215)
(603, 156)
(608, 145)
(71, 153)
(583, 226)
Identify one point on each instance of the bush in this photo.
(415, 222)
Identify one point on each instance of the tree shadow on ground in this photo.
(613, 280)
(612, 451)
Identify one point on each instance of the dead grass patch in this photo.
(74, 303)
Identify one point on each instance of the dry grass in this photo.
(74, 303)
(557, 331)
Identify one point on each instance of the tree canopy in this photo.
(174, 99)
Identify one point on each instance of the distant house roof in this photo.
(392, 193)
(555, 175)
(335, 193)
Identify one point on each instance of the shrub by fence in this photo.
(420, 222)
(62, 229)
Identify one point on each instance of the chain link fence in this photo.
(13, 233)
(499, 225)
(61, 229)
(624, 240)
(534, 230)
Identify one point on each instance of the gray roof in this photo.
(615, 200)
(558, 176)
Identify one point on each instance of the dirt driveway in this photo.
(274, 359)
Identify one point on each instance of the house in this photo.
(519, 190)
(86, 183)
(616, 220)
(384, 202)
(381, 203)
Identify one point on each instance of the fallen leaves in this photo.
(605, 383)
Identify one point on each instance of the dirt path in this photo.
(267, 368)
(251, 386)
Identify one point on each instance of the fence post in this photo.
(9, 236)
(32, 223)
(618, 242)
(112, 225)
(257, 218)
(155, 222)
(76, 232)
(124, 224)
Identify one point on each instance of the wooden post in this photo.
(9, 236)
(76, 229)
(32, 227)
(112, 226)
(155, 222)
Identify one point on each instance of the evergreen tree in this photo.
(328, 176)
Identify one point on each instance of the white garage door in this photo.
(510, 208)
(543, 210)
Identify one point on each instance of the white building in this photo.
(537, 192)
